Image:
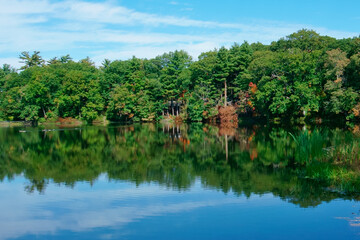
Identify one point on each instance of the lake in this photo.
(186, 181)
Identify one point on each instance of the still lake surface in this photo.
(154, 181)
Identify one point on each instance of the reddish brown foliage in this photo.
(68, 121)
(227, 130)
(178, 119)
(228, 120)
(228, 114)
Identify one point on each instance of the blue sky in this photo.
(120, 29)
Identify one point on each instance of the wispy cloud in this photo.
(187, 9)
(100, 29)
(36, 215)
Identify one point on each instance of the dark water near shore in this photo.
(195, 181)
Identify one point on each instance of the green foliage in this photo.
(79, 94)
(353, 72)
(336, 63)
(196, 105)
(175, 74)
(339, 99)
(30, 113)
(303, 75)
(304, 39)
(121, 105)
(34, 60)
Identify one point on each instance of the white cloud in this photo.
(109, 13)
(187, 9)
(151, 51)
(105, 29)
(14, 62)
(24, 214)
(25, 7)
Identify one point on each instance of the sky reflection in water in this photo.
(112, 210)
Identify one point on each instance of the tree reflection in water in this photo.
(305, 167)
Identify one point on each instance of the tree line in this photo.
(303, 75)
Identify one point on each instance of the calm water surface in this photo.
(169, 182)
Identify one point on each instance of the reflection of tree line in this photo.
(244, 160)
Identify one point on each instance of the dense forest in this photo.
(304, 75)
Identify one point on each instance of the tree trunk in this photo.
(44, 112)
(225, 93)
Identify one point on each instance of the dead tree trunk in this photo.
(225, 93)
(172, 107)
(44, 112)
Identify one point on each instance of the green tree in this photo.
(222, 72)
(34, 60)
(175, 75)
(203, 96)
(339, 100)
(336, 63)
(353, 72)
(240, 58)
(80, 92)
(122, 104)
